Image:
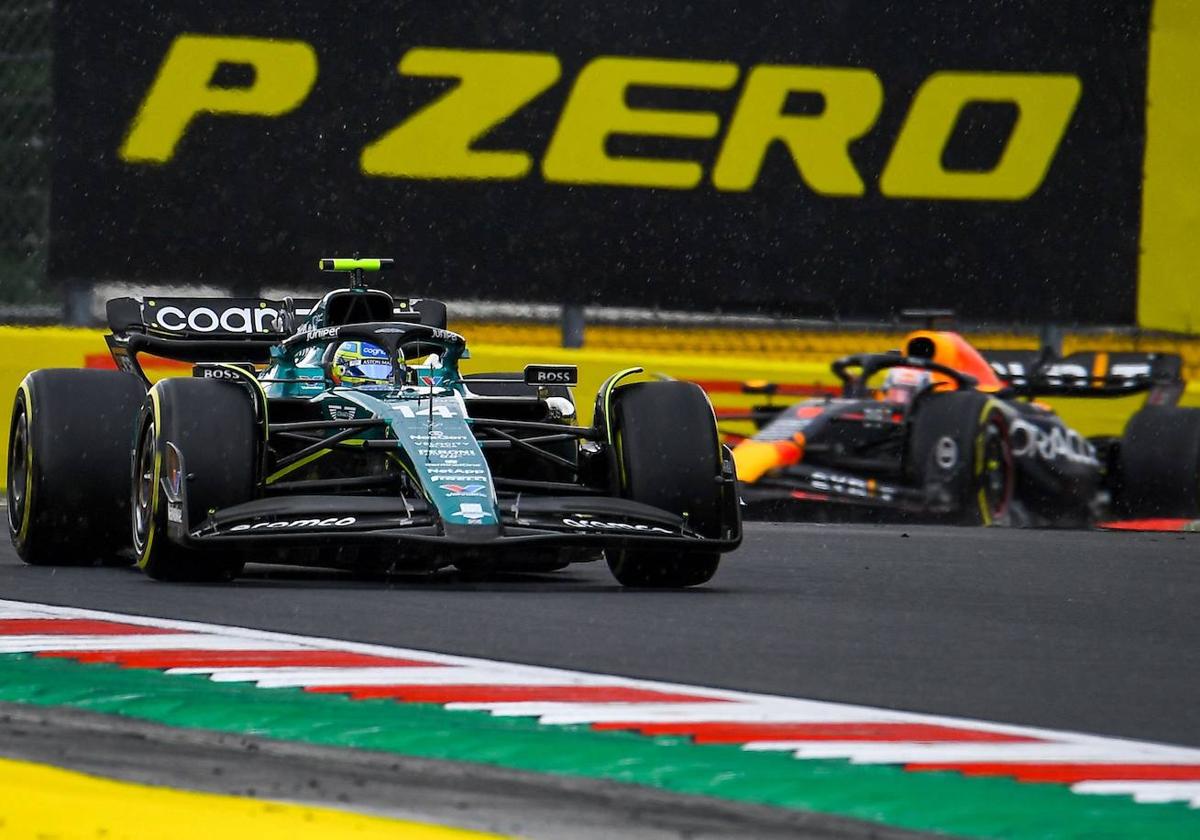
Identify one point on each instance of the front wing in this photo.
(597, 521)
(548, 521)
(822, 486)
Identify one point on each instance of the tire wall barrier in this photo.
(24, 349)
(790, 157)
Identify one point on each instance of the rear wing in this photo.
(1039, 373)
(203, 329)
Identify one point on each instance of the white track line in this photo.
(921, 752)
(164, 641)
(1145, 791)
(403, 675)
(19, 612)
(751, 710)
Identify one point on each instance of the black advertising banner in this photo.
(797, 157)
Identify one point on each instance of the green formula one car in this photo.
(339, 432)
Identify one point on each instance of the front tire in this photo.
(960, 451)
(69, 442)
(668, 456)
(213, 426)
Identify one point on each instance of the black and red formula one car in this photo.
(943, 432)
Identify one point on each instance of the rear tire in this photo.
(668, 456)
(213, 425)
(69, 444)
(960, 447)
(1160, 464)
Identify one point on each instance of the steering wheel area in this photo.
(399, 340)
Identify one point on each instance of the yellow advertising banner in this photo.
(1169, 281)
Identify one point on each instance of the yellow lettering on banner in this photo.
(1045, 103)
(435, 142)
(284, 73)
(597, 110)
(818, 143)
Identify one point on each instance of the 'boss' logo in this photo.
(551, 375)
(219, 373)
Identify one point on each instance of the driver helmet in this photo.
(361, 364)
(901, 384)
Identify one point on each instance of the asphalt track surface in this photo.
(1085, 631)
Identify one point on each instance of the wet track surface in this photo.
(1073, 630)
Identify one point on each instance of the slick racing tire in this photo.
(68, 447)
(212, 425)
(668, 456)
(1159, 474)
(960, 451)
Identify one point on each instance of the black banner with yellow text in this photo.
(794, 157)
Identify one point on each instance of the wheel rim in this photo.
(996, 479)
(18, 469)
(143, 488)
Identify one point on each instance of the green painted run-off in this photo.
(943, 802)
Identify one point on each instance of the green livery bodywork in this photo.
(412, 463)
